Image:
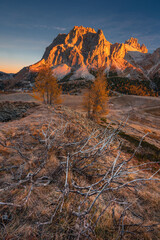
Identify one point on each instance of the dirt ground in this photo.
(143, 113)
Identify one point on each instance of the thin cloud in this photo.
(60, 28)
(40, 26)
(49, 27)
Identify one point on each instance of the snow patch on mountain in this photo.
(107, 70)
(61, 71)
(82, 72)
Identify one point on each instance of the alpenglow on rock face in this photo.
(133, 42)
(83, 49)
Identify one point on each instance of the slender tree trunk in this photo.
(89, 110)
(47, 97)
(50, 99)
(44, 99)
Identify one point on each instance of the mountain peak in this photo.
(83, 29)
(83, 49)
(82, 46)
(133, 42)
(76, 35)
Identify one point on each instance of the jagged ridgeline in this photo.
(80, 53)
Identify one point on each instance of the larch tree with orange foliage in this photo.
(46, 87)
(95, 100)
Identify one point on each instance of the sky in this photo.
(28, 27)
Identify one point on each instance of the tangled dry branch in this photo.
(94, 171)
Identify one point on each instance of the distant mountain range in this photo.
(82, 51)
(4, 75)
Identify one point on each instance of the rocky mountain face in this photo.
(83, 50)
(133, 42)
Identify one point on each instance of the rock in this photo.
(118, 50)
(81, 46)
(133, 42)
(144, 49)
(83, 50)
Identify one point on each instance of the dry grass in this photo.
(21, 222)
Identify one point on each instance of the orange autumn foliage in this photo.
(96, 98)
(46, 86)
